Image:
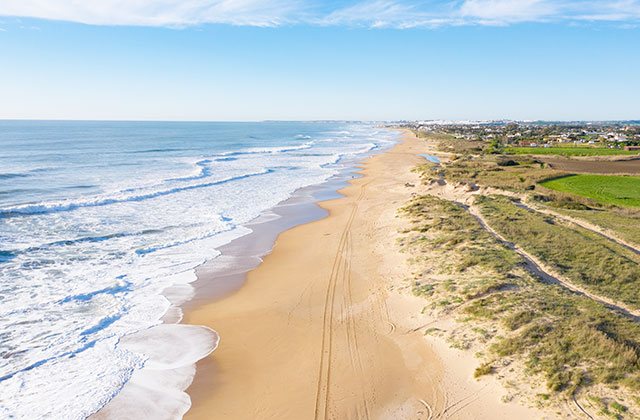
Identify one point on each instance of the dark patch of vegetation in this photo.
(618, 407)
(564, 201)
(608, 408)
(507, 162)
(495, 147)
(420, 289)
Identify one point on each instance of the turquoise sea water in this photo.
(97, 219)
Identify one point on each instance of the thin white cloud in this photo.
(367, 13)
(157, 12)
(509, 11)
(391, 14)
(515, 11)
(621, 10)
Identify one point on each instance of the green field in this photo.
(567, 151)
(605, 189)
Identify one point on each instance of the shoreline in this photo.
(224, 275)
(336, 332)
(169, 371)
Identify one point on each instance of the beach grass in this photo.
(545, 333)
(567, 151)
(450, 144)
(570, 342)
(623, 222)
(583, 257)
(605, 189)
(518, 174)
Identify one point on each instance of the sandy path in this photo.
(324, 328)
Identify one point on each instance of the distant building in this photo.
(619, 138)
(527, 143)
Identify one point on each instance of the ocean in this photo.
(98, 219)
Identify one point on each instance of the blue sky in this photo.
(300, 59)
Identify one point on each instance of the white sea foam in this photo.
(156, 391)
(269, 150)
(86, 281)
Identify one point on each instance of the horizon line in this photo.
(470, 120)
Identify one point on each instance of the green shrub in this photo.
(482, 370)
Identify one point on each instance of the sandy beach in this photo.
(320, 210)
(326, 327)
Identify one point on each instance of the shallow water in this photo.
(431, 158)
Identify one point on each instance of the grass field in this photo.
(567, 151)
(606, 189)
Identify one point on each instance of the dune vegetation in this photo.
(591, 260)
(579, 335)
(624, 223)
(516, 322)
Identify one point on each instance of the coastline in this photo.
(169, 370)
(326, 326)
(225, 274)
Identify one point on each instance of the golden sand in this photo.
(325, 327)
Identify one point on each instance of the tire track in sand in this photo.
(352, 337)
(324, 375)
